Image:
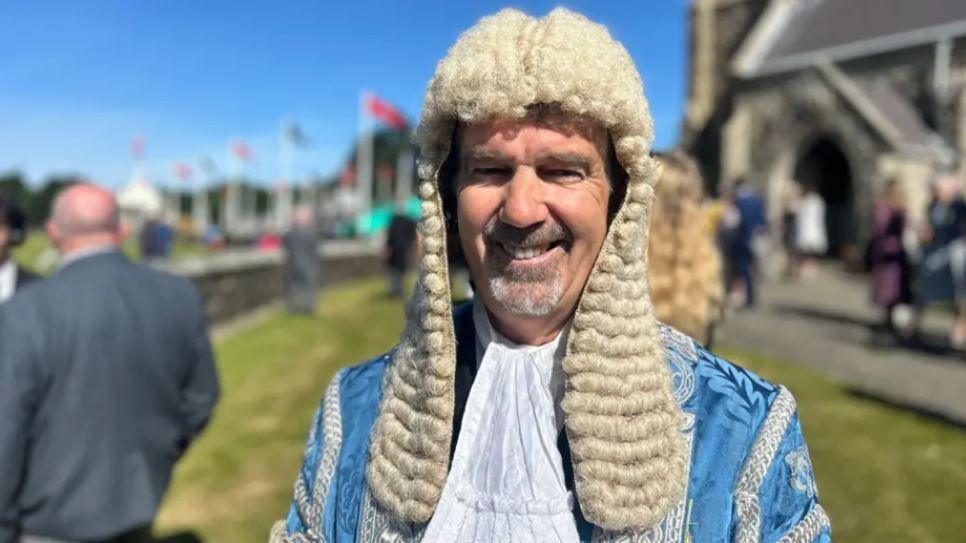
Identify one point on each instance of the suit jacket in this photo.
(302, 256)
(24, 278)
(750, 476)
(106, 375)
(399, 241)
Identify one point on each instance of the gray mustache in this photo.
(540, 234)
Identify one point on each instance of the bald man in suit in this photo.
(106, 376)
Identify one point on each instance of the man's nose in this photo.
(523, 203)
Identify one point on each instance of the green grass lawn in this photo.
(238, 477)
(884, 474)
(28, 254)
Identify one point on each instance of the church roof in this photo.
(888, 112)
(899, 112)
(792, 34)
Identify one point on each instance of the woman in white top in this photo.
(811, 238)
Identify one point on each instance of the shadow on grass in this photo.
(895, 403)
(926, 343)
(180, 537)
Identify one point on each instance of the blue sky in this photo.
(80, 79)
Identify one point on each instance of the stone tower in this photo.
(717, 30)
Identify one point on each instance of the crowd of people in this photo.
(915, 264)
(707, 254)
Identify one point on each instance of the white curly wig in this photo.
(621, 418)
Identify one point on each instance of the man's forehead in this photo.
(569, 126)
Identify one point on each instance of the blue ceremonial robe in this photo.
(750, 477)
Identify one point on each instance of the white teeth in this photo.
(526, 253)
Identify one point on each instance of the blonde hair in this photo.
(683, 262)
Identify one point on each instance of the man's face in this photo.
(532, 200)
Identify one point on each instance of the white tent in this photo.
(139, 199)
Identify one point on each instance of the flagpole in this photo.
(283, 194)
(200, 206)
(275, 193)
(404, 173)
(364, 161)
(231, 198)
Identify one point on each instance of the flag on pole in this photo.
(241, 150)
(137, 148)
(182, 171)
(384, 111)
(295, 135)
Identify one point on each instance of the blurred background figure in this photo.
(399, 246)
(106, 376)
(156, 239)
(268, 241)
(790, 200)
(887, 259)
(745, 230)
(811, 240)
(13, 230)
(942, 273)
(212, 238)
(684, 266)
(302, 262)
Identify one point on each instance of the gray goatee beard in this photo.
(534, 293)
(521, 298)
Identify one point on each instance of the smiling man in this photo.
(532, 215)
(555, 407)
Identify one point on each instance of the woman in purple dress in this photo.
(888, 261)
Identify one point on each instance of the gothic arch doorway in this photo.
(824, 167)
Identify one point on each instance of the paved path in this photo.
(827, 324)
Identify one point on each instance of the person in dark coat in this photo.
(942, 272)
(741, 250)
(106, 377)
(13, 231)
(302, 262)
(399, 245)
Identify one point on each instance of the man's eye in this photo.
(490, 171)
(564, 174)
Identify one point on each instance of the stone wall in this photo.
(234, 283)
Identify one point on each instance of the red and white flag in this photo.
(182, 171)
(241, 150)
(384, 111)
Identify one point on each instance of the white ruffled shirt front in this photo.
(506, 482)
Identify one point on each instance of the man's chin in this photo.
(525, 298)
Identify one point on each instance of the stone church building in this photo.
(839, 95)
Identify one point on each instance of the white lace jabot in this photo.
(506, 482)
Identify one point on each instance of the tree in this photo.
(43, 198)
(13, 186)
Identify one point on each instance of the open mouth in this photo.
(530, 252)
